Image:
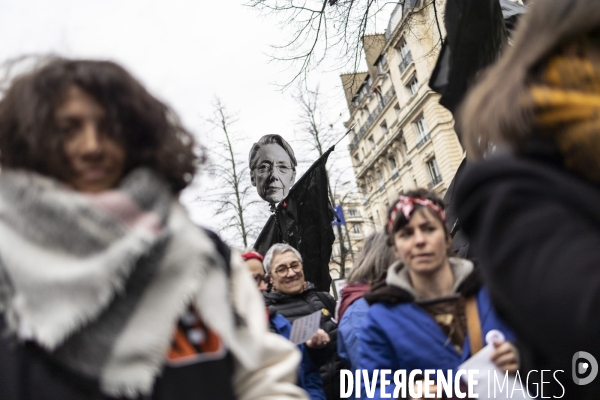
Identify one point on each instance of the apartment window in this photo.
(413, 85)
(433, 170)
(397, 109)
(380, 180)
(371, 141)
(422, 131)
(352, 212)
(405, 56)
(421, 126)
(356, 228)
(365, 90)
(381, 64)
(384, 128)
(393, 167)
(356, 159)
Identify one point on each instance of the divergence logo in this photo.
(585, 368)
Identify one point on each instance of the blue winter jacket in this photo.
(348, 332)
(404, 336)
(309, 378)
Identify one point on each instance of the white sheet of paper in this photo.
(482, 362)
(305, 327)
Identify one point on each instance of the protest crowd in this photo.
(109, 291)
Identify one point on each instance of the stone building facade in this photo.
(402, 138)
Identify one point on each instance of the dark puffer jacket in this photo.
(295, 306)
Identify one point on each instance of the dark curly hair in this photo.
(150, 132)
(401, 220)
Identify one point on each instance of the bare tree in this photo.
(12, 67)
(332, 30)
(319, 135)
(231, 195)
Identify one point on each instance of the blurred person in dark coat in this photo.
(530, 207)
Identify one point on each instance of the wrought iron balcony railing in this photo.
(423, 140)
(434, 181)
(405, 62)
(372, 117)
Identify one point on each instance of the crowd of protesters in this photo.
(109, 291)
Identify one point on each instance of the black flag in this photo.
(477, 32)
(476, 35)
(303, 220)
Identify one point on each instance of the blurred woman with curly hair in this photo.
(107, 289)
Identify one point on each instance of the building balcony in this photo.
(406, 61)
(366, 202)
(372, 117)
(434, 181)
(395, 175)
(381, 187)
(424, 139)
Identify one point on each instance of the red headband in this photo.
(252, 254)
(406, 205)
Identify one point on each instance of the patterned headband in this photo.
(406, 205)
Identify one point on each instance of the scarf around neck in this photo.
(100, 280)
(566, 110)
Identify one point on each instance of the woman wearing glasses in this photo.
(293, 298)
(308, 373)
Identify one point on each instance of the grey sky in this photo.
(185, 51)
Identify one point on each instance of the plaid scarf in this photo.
(567, 111)
(100, 280)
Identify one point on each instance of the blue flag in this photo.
(340, 216)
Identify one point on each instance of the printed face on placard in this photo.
(274, 174)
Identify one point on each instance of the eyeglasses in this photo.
(266, 278)
(282, 270)
(265, 169)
